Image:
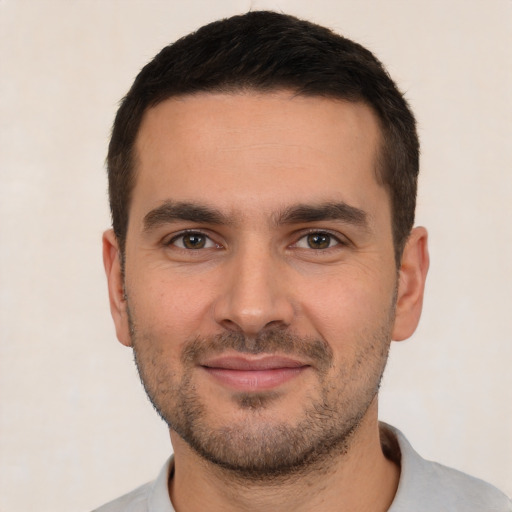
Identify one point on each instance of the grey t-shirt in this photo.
(424, 486)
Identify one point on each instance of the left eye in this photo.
(192, 241)
(317, 240)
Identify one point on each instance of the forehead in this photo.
(252, 147)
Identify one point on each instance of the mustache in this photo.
(270, 341)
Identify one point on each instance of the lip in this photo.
(254, 373)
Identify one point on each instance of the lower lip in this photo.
(256, 380)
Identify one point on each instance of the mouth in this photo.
(244, 373)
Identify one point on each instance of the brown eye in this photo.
(319, 240)
(192, 240)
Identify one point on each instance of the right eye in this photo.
(193, 241)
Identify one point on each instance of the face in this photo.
(260, 284)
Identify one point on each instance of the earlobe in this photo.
(113, 271)
(411, 284)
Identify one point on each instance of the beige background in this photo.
(75, 427)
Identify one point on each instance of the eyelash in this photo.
(339, 241)
(191, 232)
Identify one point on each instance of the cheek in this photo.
(342, 308)
(170, 309)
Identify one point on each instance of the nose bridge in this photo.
(254, 293)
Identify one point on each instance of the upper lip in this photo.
(242, 362)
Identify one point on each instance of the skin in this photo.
(253, 281)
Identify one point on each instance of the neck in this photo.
(360, 478)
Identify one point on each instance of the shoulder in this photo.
(134, 501)
(151, 497)
(429, 487)
(458, 491)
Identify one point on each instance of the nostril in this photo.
(231, 326)
(250, 301)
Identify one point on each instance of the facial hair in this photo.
(265, 450)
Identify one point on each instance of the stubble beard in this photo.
(257, 450)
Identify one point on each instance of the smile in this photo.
(249, 374)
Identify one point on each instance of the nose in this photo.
(254, 293)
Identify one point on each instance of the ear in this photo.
(118, 306)
(411, 284)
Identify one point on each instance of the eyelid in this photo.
(341, 240)
(170, 239)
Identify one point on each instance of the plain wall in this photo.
(75, 427)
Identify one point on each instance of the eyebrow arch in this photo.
(324, 211)
(171, 211)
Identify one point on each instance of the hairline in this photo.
(380, 165)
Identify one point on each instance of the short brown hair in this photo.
(265, 51)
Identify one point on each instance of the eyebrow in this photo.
(171, 211)
(341, 211)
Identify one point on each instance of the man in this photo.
(262, 179)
